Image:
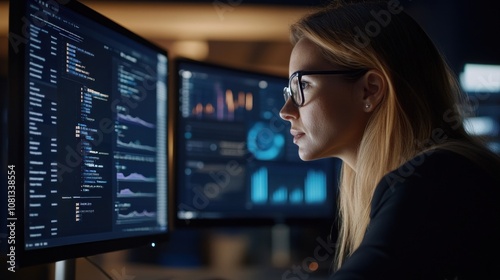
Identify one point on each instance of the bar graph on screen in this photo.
(289, 189)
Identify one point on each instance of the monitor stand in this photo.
(280, 254)
(65, 270)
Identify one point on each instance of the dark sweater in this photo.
(436, 217)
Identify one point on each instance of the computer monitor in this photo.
(481, 84)
(87, 138)
(235, 161)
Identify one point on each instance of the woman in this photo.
(419, 197)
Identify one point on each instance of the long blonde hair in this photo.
(422, 100)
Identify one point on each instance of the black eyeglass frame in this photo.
(287, 91)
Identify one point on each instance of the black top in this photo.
(436, 217)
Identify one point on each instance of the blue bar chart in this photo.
(307, 188)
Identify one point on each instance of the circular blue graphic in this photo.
(264, 143)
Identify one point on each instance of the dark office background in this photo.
(465, 31)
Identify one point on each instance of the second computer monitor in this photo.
(235, 159)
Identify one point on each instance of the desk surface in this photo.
(130, 271)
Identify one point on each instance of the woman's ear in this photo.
(374, 89)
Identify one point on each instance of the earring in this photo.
(367, 106)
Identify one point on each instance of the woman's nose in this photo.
(289, 111)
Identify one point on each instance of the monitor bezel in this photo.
(325, 220)
(15, 157)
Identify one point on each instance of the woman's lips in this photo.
(296, 135)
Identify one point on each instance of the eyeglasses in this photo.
(295, 88)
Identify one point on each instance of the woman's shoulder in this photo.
(438, 174)
(440, 201)
(433, 166)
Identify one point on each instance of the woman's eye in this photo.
(303, 84)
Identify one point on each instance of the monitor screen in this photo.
(235, 161)
(87, 120)
(481, 84)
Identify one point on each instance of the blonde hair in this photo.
(422, 100)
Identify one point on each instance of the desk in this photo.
(131, 271)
